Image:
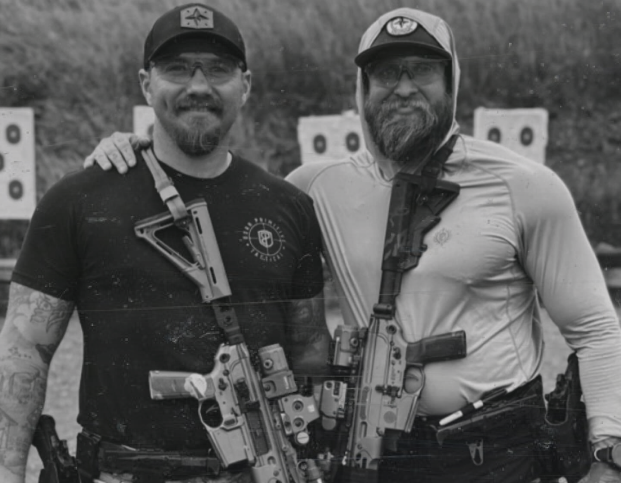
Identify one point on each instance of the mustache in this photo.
(390, 105)
(200, 102)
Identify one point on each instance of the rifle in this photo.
(58, 465)
(383, 373)
(262, 417)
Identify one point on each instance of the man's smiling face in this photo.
(196, 97)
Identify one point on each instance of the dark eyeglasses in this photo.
(387, 73)
(179, 70)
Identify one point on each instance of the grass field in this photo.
(64, 377)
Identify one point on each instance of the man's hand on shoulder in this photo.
(117, 150)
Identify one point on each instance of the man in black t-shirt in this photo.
(139, 312)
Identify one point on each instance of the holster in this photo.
(86, 456)
(562, 444)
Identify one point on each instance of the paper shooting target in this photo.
(143, 120)
(18, 196)
(329, 137)
(524, 131)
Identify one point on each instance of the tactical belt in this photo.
(115, 458)
(151, 465)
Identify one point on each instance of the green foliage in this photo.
(76, 61)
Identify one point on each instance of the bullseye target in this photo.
(527, 136)
(13, 134)
(524, 131)
(494, 135)
(16, 189)
(320, 144)
(329, 137)
(352, 141)
(17, 163)
(143, 120)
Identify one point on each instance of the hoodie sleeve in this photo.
(559, 259)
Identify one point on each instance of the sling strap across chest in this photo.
(417, 199)
(206, 269)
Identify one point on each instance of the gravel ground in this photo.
(63, 382)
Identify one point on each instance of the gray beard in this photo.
(408, 139)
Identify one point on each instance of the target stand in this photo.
(18, 195)
(524, 131)
(329, 138)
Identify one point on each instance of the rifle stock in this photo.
(205, 269)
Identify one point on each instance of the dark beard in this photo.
(198, 139)
(408, 139)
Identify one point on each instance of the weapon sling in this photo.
(415, 204)
(417, 199)
(223, 310)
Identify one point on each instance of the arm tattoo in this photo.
(34, 326)
(22, 394)
(30, 310)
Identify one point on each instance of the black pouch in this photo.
(87, 454)
(562, 443)
(496, 443)
(524, 408)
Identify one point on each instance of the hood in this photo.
(438, 29)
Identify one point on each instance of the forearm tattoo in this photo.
(34, 327)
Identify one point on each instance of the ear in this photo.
(247, 83)
(145, 84)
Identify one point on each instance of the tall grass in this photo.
(76, 61)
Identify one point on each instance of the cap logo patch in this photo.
(401, 26)
(196, 18)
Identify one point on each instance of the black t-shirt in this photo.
(138, 312)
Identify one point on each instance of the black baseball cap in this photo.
(197, 26)
(402, 35)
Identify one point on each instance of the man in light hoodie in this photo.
(512, 236)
